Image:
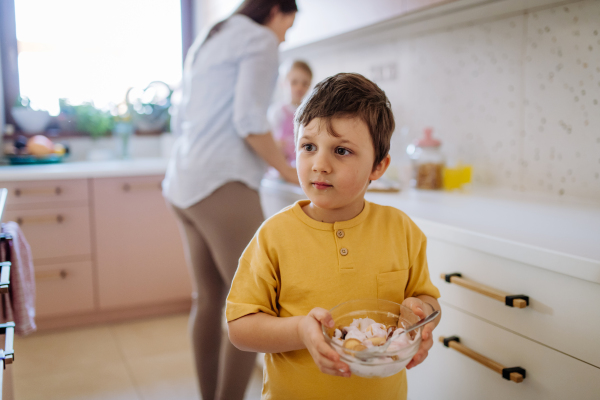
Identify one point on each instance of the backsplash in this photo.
(517, 97)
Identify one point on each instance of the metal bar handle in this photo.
(51, 275)
(515, 374)
(131, 187)
(4, 276)
(516, 300)
(8, 330)
(41, 219)
(41, 191)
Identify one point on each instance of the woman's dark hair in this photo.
(258, 11)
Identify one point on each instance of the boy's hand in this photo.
(421, 310)
(326, 358)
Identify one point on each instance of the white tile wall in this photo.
(518, 96)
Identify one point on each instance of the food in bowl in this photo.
(362, 327)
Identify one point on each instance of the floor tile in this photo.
(109, 381)
(155, 336)
(165, 376)
(64, 351)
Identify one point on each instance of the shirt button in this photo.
(340, 233)
(343, 251)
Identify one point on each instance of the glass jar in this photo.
(427, 162)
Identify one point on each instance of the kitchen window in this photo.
(91, 51)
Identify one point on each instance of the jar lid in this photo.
(427, 140)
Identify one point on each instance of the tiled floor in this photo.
(141, 360)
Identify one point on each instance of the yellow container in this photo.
(455, 178)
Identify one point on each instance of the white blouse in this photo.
(227, 86)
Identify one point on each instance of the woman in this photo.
(214, 173)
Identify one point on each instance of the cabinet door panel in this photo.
(449, 375)
(55, 232)
(139, 249)
(63, 289)
(557, 303)
(45, 193)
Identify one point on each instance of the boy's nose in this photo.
(321, 163)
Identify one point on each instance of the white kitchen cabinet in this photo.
(558, 303)
(449, 375)
(140, 258)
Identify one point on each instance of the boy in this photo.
(332, 248)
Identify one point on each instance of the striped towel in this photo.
(18, 304)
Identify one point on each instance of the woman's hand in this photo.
(422, 310)
(326, 358)
(264, 145)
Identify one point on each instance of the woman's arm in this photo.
(264, 145)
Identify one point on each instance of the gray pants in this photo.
(216, 231)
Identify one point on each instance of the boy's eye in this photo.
(308, 147)
(340, 151)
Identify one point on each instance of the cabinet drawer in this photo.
(549, 373)
(42, 192)
(557, 303)
(64, 289)
(55, 232)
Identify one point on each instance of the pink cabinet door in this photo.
(138, 246)
(63, 289)
(44, 194)
(56, 232)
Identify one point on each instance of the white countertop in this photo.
(561, 236)
(84, 169)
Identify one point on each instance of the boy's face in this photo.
(298, 83)
(334, 172)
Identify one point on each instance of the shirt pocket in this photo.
(391, 285)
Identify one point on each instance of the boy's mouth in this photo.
(321, 185)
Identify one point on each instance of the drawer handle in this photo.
(38, 191)
(51, 275)
(4, 276)
(515, 374)
(131, 187)
(517, 300)
(8, 354)
(41, 219)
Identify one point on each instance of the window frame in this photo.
(9, 55)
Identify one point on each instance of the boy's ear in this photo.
(380, 168)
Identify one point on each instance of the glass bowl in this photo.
(386, 312)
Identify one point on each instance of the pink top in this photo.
(281, 117)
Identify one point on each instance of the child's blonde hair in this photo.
(287, 67)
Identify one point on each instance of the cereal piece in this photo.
(375, 330)
(351, 343)
(377, 341)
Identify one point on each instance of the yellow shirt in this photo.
(295, 263)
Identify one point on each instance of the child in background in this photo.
(329, 249)
(298, 78)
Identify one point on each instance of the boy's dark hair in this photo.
(350, 95)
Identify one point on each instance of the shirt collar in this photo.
(325, 226)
